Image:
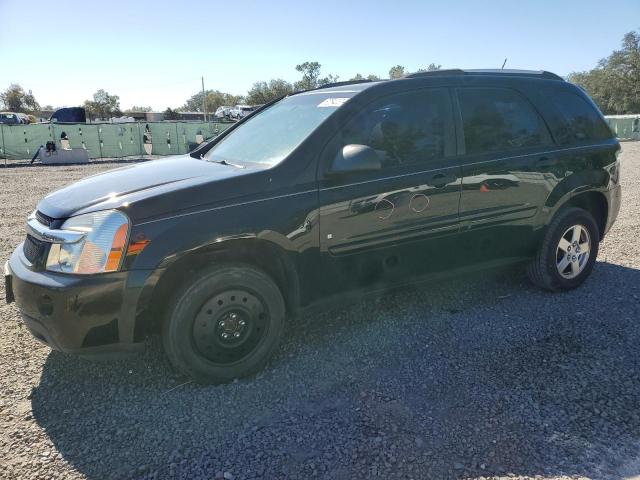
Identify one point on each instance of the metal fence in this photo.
(117, 140)
(107, 140)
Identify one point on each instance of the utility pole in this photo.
(204, 102)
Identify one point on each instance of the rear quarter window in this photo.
(574, 120)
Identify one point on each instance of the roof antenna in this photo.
(503, 64)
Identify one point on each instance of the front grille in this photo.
(34, 249)
(44, 219)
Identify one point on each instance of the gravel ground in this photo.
(481, 377)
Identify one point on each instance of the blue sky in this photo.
(154, 52)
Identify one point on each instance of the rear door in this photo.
(509, 169)
(385, 224)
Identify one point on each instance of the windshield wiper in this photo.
(223, 162)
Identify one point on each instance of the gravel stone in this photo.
(477, 377)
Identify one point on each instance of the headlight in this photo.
(100, 250)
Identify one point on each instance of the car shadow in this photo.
(474, 376)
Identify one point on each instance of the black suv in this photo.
(353, 186)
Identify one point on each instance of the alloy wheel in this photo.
(573, 251)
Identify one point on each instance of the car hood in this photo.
(122, 186)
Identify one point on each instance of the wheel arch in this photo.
(595, 202)
(266, 255)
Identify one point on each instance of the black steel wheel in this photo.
(224, 325)
(230, 325)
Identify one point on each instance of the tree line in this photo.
(266, 91)
(104, 105)
(614, 84)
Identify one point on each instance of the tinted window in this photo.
(498, 120)
(404, 128)
(575, 120)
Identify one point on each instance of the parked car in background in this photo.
(223, 112)
(69, 115)
(12, 118)
(24, 118)
(9, 118)
(241, 111)
(344, 189)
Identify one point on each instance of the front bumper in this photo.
(82, 314)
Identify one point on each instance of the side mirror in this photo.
(356, 158)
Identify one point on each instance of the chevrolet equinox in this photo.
(350, 187)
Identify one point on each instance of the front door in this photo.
(386, 225)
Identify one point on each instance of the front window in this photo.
(404, 129)
(269, 136)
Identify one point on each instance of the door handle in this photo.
(440, 180)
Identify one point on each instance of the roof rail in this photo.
(340, 84)
(435, 73)
(509, 72)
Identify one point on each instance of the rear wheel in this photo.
(226, 324)
(568, 251)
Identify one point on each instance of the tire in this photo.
(546, 270)
(225, 324)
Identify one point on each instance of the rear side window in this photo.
(574, 120)
(497, 119)
(406, 128)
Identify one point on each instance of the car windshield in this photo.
(269, 136)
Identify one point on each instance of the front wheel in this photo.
(568, 251)
(225, 324)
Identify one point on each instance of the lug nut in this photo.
(236, 334)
